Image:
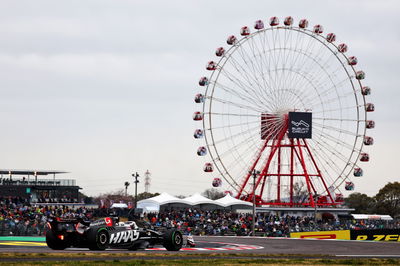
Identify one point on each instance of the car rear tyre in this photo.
(54, 242)
(173, 240)
(99, 240)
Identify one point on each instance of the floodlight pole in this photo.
(136, 175)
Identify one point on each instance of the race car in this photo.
(108, 232)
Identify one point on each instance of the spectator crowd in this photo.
(18, 217)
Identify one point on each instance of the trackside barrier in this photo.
(376, 234)
(342, 234)
(366, 234)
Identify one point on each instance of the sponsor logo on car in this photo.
(124, 236)
(108, 221)
(99, 222)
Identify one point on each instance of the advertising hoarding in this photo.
(300, 125)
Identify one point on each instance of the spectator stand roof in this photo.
(12, 177)
(372, 217)
(29, 172)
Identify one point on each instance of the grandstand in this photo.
(38, 186)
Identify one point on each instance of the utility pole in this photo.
(254, 173)
(136, 175)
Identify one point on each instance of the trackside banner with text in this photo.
(374, 235)
(343, 234)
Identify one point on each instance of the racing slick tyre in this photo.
(54, 242)
(173, 240)
(99, 239)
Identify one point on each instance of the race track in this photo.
(314, 246)
(244, 246)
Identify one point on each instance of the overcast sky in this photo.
(103, 89)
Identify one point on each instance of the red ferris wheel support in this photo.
(276, 141)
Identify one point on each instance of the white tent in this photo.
(197, 199)
(164, 199)
(153, 204)
(372, 217)
(119, 205)
(229, 201)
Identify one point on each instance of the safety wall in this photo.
(371, 235)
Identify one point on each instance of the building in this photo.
(38, 186)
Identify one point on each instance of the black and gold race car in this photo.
(109, 233)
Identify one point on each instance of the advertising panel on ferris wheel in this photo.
(300, 125)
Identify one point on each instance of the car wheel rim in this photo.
(103, 239)
(178, 239)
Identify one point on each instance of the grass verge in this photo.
(182, 259)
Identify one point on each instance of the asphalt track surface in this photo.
(242, 246)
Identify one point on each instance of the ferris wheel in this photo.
(284, 115)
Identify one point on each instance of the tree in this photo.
(300, 192)
(119, 196)
(213, 194)
(126, 188)
(84, 198)
(361, 203)
(146, 195)
(388, 199)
